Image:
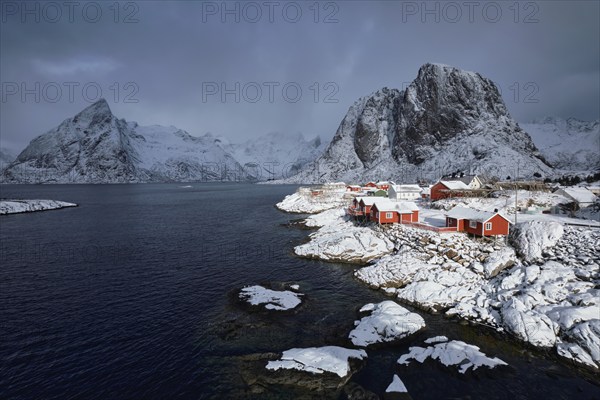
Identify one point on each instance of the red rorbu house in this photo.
(371, 185)
(480, 223)
(392, 212)
(383, 185)
(361, 206)
(445, 189)
(353, 188)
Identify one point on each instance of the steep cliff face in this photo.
(96, 147)
(446, 119)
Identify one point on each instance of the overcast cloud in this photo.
(544, 56)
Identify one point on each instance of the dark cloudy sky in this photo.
(171, 57)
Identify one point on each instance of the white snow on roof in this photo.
(579, 194)
(369, 200)
(407, 188)
(402, 207)
(471, 214)
(455, 185)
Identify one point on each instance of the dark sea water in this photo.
(129, 296)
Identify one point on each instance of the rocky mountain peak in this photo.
(96, 113)
(446, 119)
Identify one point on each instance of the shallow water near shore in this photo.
(129, 295)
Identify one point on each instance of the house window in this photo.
(488, 226)
(388, 215)
(472, 224)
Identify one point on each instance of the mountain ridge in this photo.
(446, 119)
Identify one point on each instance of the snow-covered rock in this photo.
(396, 386)
(305, 202)
(528, 325)
(391, 271)
(498, 261)
(388, 321)
(455, 352)
(433, 295)
(531, 238)
(270, 299)
(436, 339)
(318, 360)
(345, 242)
(587, 335)
(23, 206)
(324, 218)
(574, 352)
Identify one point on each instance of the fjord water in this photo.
(129, 296)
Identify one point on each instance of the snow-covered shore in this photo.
(310, 201)
(540, 287)
(23, 206)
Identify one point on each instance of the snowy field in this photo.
(23, 206)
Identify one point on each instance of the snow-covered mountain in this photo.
(275, 155)
(446, 120)
(6, 157)
(96, 147)
(568, 144)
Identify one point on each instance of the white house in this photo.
(404, 192)
(472, 181)
(584, 197)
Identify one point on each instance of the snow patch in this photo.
(272, 299)
(317, 360)
(455, 352)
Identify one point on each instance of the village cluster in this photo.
(386, 202)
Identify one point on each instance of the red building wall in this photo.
(500, 226)
(437, 193)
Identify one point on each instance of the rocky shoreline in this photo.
(542, 286)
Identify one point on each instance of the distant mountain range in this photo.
(568, 144)
(96, 147)
(447, 119)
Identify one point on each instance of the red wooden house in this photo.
(392, 212)
(361, 206)
(480, 223)
(445, 189)
(383, 185)
(353, 188)
(371, 185)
